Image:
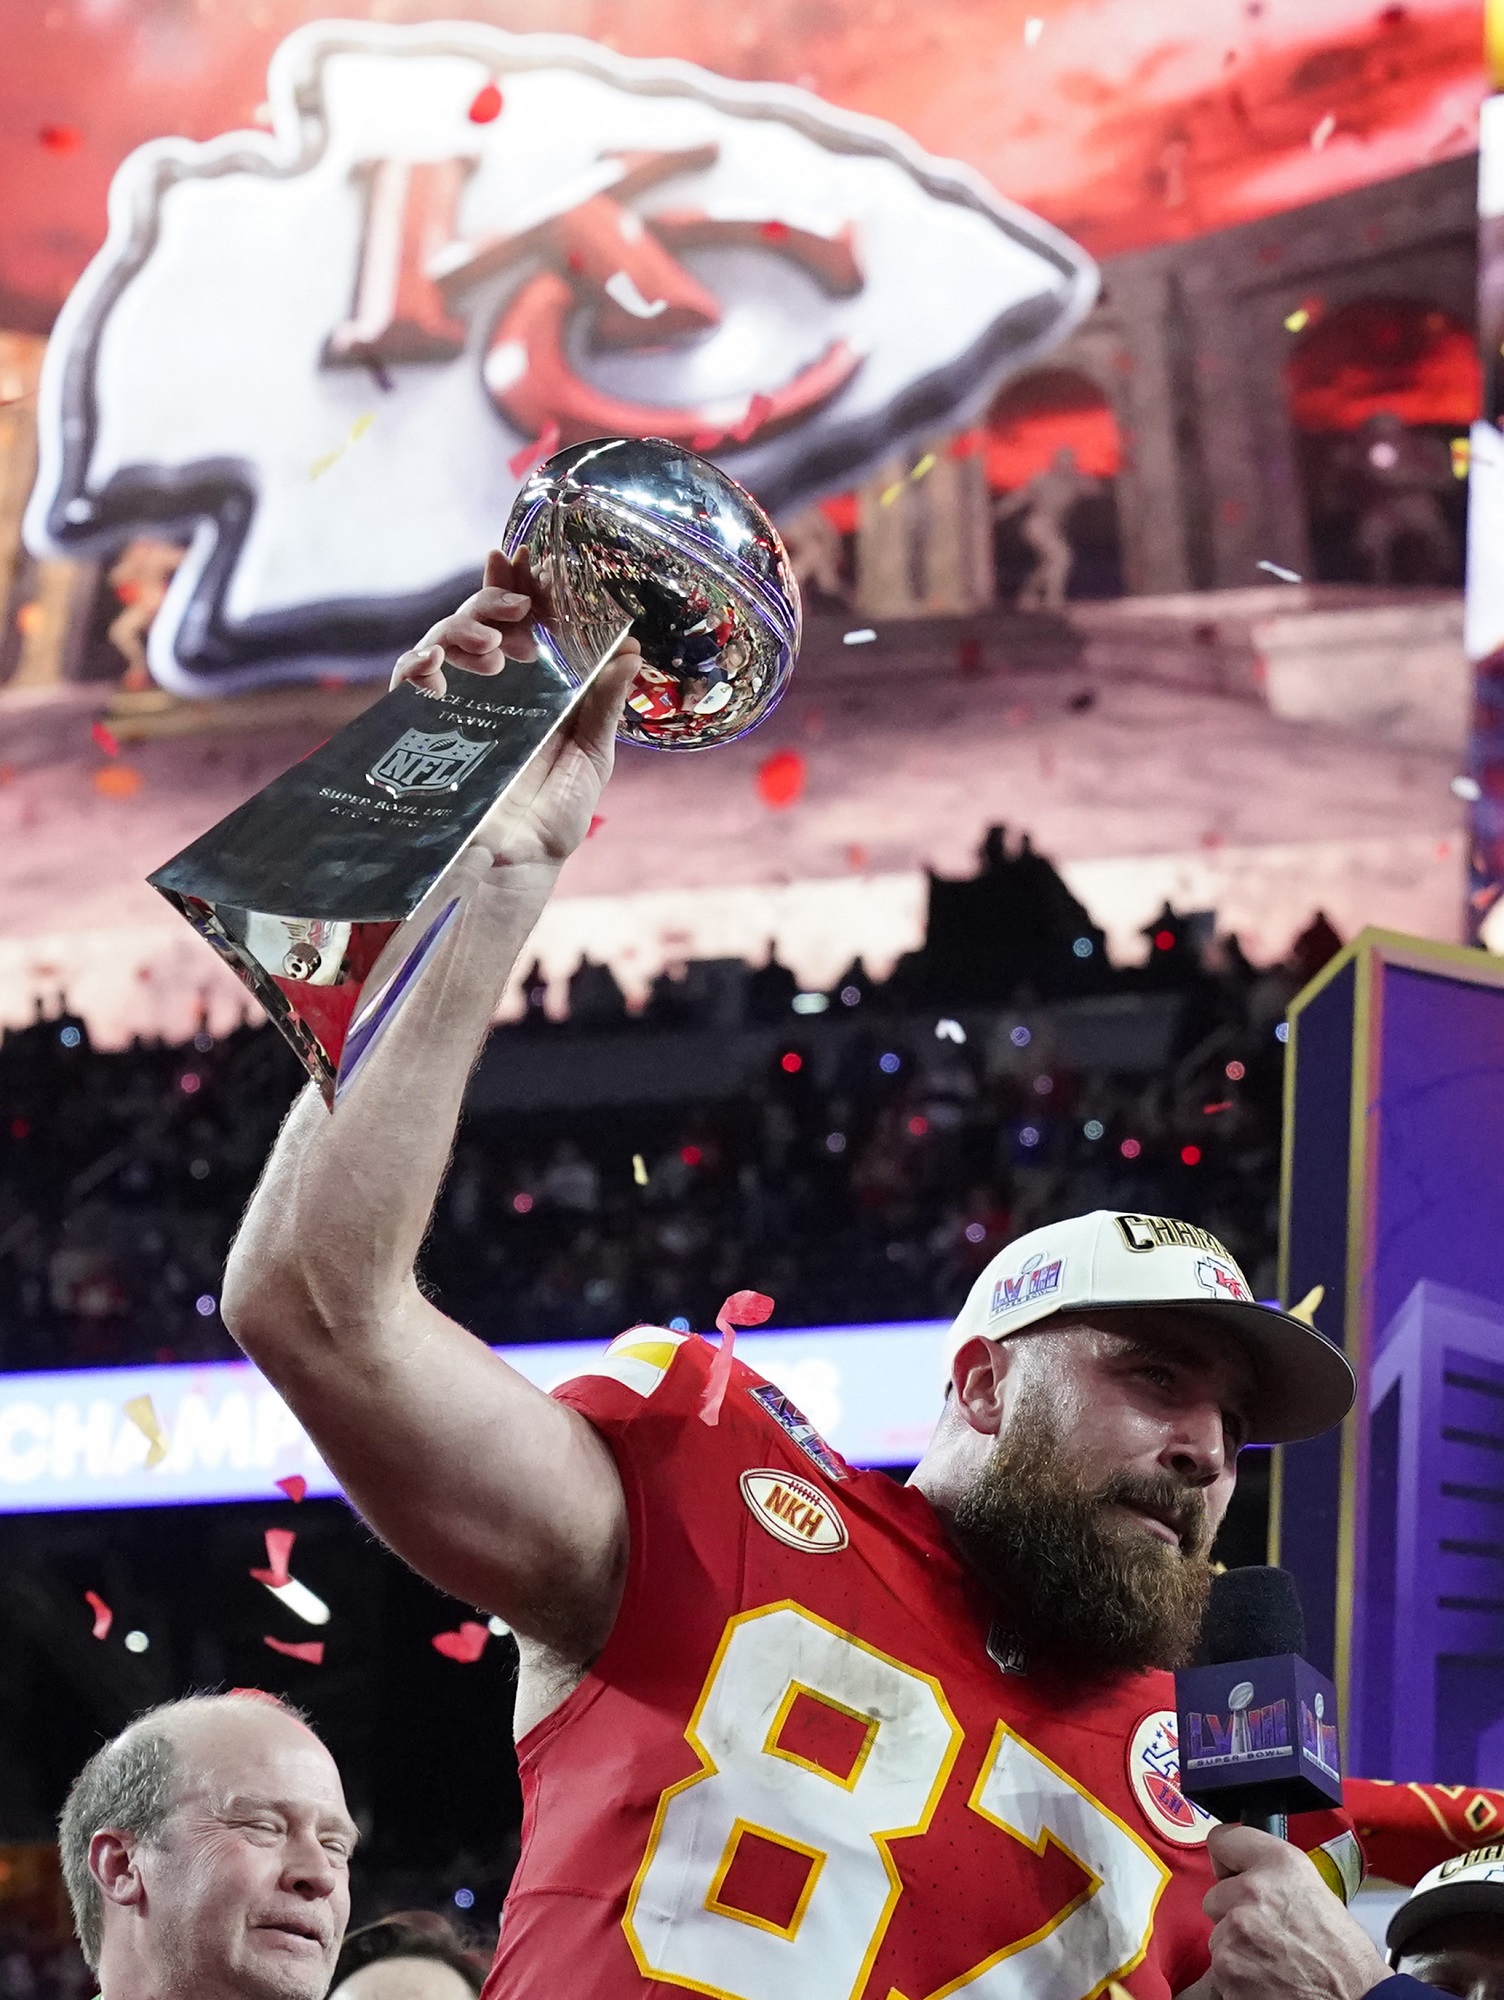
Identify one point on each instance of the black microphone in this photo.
(1257, 1723)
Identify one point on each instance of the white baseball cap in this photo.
(1107, 1261)
(1465, 1885)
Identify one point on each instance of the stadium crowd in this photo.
(864, 1154)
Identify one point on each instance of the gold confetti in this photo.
(639, 1170)
(890, 493)
(142, 1412)
(1297, 321)
(926, 464)
(1305, 1312)
(357, 431)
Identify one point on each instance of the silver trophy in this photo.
(328, 890)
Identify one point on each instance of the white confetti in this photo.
(947, 1030)
(300, 1600)
(621, 287)
(1467, 788)
(862, 637)
(1284, 575)
(1323, 131)
(1033, 29)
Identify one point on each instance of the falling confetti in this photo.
(104, 1618)
(1277, 569)
(485, 106)
(890, 493)
(521, 463)
(1306, 1310)
(142, 1412)
(780, 779)
(30, 619)
(279, 1543)
(741, 1309)
(775, 232)
(947, 1030)
(597, 821)
(60, 138)
(117, 781)
(1464, 787)
(622, 287)
(357, 431)
(925, 466)
(705, 440)
(105, 739)
(758, 411)
(309, 1651)
(466, 1645)
(863, 636)
(297, 1598)
(1322, 131)
(1462, 452)
(294, 1486)
(1033, 29)
(639, 1170)
(1297, 321)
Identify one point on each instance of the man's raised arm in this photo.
(492, 1489)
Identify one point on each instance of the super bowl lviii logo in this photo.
(324, 355)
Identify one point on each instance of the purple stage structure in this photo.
(1393, 1203)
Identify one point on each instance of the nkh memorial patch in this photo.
(1154, 1775)
(799, 1428)
(793, 1510)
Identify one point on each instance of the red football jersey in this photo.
(807, 1764)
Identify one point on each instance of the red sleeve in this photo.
(1408, 1829)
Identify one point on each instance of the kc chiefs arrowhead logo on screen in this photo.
(325, 356)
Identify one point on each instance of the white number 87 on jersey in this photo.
(679, 1929)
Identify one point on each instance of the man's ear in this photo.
(977, 1375)
(112, 1863)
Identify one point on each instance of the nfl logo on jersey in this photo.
(1035, 1280)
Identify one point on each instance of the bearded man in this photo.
(787, 1730)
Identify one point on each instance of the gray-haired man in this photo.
(206, 1851)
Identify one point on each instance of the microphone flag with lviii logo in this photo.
(325, 355)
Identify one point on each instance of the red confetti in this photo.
(758, 411)
(104, 1618)
(521, 463)
(127, 592)
(576, 262)
(780, 779)
(294, 1486)
(597, 820)
(706, 440)
(309, 1651)
(279, 1543)
(741, 1309)
(466, 1645)
(60, 138)
(105, 738)
(485, 106)
(775, 232)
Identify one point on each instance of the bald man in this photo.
(206, 1852)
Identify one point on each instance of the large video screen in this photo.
(1106, 368)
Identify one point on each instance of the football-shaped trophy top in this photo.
(642, 529)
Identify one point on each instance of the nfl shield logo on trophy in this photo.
(423, 761)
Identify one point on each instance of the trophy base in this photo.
(330, 890)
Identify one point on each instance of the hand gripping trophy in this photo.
(329, 890)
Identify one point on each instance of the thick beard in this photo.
(1087, 1593)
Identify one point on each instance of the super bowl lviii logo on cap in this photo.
(1035, 1279)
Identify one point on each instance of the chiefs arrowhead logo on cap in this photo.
(333, 351)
